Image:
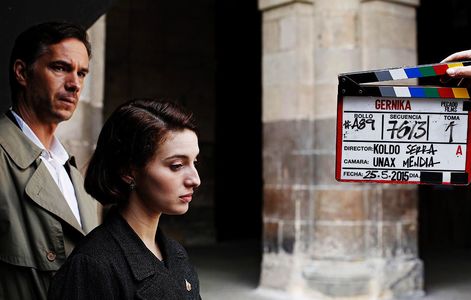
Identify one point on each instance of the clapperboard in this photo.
(402, 134)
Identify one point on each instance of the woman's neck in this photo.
(144, 223)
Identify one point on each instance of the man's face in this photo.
(54, 82)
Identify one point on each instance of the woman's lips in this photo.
(186, 198)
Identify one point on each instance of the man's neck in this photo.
(44, 131)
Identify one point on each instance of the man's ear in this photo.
(19, 68)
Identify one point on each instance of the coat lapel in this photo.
(21, 150)
(165, 282)
(139, 258)
(154, 277)
(42, 189)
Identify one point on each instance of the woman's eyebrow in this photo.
(179, 156)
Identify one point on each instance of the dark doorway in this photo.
(238, 177)
(442, 29)
(444, 211)
(206, 54)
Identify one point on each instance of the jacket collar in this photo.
(21, 150)
(41, 188)
(142, 262)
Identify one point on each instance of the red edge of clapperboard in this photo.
(468, 148)
(339, 144)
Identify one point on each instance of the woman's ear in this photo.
(19, 68)
(128, 175)
(127, 178)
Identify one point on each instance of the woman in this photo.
(144, 163)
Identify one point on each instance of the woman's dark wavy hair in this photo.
(129, 139)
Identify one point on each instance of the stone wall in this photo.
(288, 137)
(331, 240)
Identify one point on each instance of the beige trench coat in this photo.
(37, 228)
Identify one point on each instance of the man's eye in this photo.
(82, 74)
(58, 68)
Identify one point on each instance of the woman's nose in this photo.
(193, 179)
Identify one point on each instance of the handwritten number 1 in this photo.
(450, 126)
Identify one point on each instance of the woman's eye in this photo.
(176, 167)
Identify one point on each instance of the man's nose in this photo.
(73, 83)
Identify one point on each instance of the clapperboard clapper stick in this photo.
(402, 134)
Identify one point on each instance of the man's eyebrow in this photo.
(67, 64)
(60, 62)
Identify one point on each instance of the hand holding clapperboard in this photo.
(403, 134)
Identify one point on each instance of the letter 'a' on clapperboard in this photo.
(403, 134)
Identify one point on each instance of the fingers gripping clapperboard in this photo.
(402, 134)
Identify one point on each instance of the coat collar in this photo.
(142, 262)
(41, 188)
(21, 150)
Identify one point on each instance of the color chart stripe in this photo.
(417, 92)
(404, 73)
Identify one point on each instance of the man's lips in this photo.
(69, 99)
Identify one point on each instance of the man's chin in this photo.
(63, 116)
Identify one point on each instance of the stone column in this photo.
(364, 242)
(322, 239)
(288, 110)
(80, 133)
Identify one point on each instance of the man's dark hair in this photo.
(34, 41)
(129, 139)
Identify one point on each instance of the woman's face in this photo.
(166, 183)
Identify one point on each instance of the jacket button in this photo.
(51, 256)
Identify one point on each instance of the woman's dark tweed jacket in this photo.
(113, 263)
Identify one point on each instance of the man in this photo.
(44, 210)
